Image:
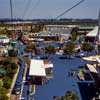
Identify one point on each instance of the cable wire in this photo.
(66, 11)
(34, 7)
(27, 8)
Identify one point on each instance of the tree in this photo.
(12, 53)
(4, 31)
(2, 71)
(74, 34)
(69, 95)
(9, 67)
(3, 97)
(87, 47)
(7, 82)
(31, 48)
(3, 93)
(69, 50)
(37, 28)
(50, 49)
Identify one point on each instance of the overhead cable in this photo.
(34, 7)
(27, 8)
(66, 11)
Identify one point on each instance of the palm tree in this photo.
(31, 48)
(74, 34)
(37, 28)
(86, 46)
(69, 95)
(69, 50)
(50, 50)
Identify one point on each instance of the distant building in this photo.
(59, 27)
(55, 35)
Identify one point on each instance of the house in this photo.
(38, 71)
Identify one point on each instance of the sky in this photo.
(39, 9)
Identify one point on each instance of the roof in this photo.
(48, 66)
(93, 33)
(36, 68)
(91, 68)
(97, 59)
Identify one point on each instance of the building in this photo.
(59, 27)
(38, 71)
(4, 39)
(55, 35)
(91, 36)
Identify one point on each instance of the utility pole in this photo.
(11, 9)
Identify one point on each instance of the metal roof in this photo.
(91, 68)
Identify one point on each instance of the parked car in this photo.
(17, 89)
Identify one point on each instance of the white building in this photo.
(93, 35)
(38, 70)
(4, 39)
